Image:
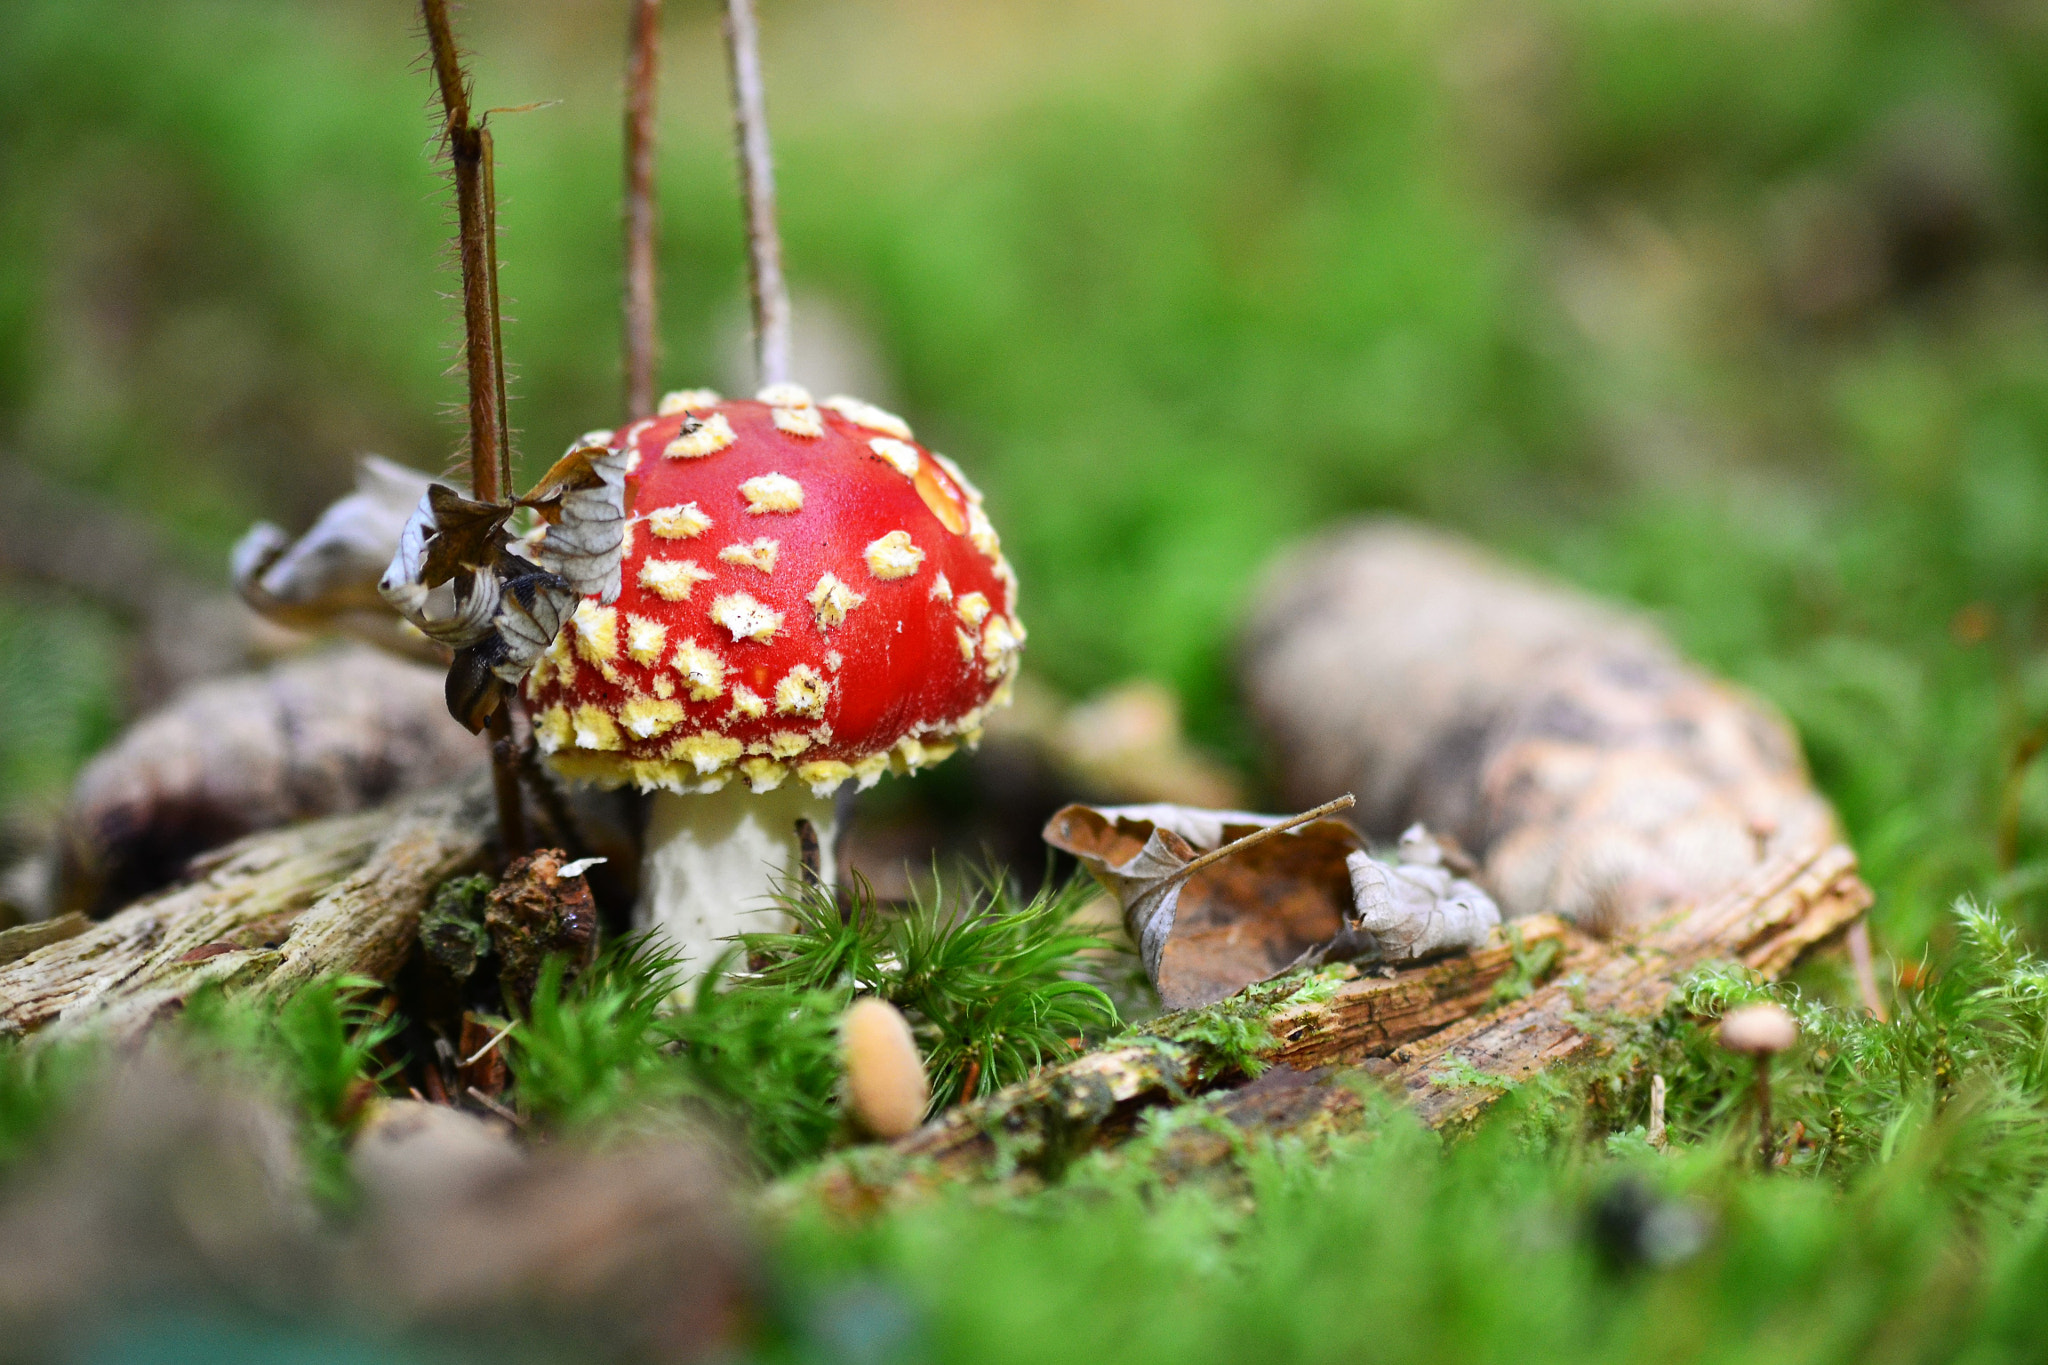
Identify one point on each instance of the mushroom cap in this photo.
(1759, 1029)
(885, 1080)
(806, 592)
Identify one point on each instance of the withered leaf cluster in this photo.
(1215, 900)
(461, 578)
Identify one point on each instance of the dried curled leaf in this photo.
(327, 579)
(1216, 901)
(583, 498)
(465, 587)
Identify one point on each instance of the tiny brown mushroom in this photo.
(1762, 1030)
(885, 1081)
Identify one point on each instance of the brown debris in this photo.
(535, 912)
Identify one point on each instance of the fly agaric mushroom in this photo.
(809, 598)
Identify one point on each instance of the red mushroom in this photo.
(809, 598)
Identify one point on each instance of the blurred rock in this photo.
(1593, 772)
(340, 730)
(171, 1194)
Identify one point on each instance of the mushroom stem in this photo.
(1763, 1108)
(757, 183)
(642, 71)
(713, 863)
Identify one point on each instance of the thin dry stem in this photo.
(757, 184)
(468, 150)
(490, 446)
(1259, 836)
(643, 70)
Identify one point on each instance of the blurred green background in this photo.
(1733, 308)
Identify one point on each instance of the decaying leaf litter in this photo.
(1220, 904)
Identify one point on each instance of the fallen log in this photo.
(270, 913)
(1307, 1019)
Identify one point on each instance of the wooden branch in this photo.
(757, 186)
(1765, 922)
(269, 913)
(643, 70)
(1042, 1122)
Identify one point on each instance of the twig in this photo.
(643, 68)
(468, 150)
(1259, 836)
(757, 184)
(1866, 971)
(500, 1036)
(1657, 1135)
(490, 443)
(496, 1108)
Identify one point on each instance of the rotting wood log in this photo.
(1765, 921)
(1425, 1031)
(270, 913)
(1043, 1121)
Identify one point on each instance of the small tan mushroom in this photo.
(1760, 1030)
(885, 1080)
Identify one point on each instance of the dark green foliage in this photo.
(1921, 1238)
(36, 1084)
(762, 1059)
(452, 928)
(316, 1051)
(992, 988)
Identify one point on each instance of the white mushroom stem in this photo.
(713, 863)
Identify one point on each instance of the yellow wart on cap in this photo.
(746, 618)
(824, 775)
(664, 686)
(868, 415)
(902, 457)
(760, 554)
(767, 493)
(672, 579)
(799, 421)
(999, 645)
(644, 639)
(698, 439)
(942, 587)
(784, 396)
(973, 609)
(552, 730)
(981, 532)
(802, 692)
(597, 632)
(594, 728)
(647, 717)
(746, 705)
(953, 470)
(678, 523)
(870, 768)
(701, 668)
(682, 400)
(763, 774)
(833, 659)
(831, 600)
(788, 743)
(706, 752)
(966, 643)
(893, 556)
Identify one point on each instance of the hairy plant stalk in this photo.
(1765, 1148)
(643, 69)
(490, 447)
(757, 184)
